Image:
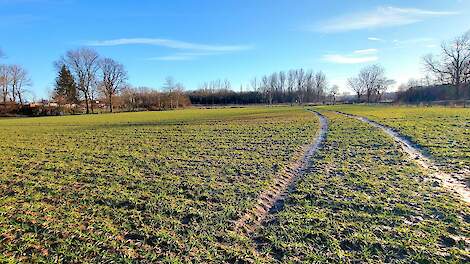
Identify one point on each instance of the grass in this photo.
(363, 201)
(168, 187)
(442, 132)
(139, 186)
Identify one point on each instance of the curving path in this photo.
(451, 181)
(272, 198)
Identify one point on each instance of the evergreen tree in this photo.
(65, 88)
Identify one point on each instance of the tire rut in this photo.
(451, 181)
(272, 199)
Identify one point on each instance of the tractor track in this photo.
(272, 199)
(450, 181)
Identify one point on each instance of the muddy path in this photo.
(272, 199)
(453, 182)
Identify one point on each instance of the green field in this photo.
(153, 186)
(364, 201)
(169, 186)
(443, 132)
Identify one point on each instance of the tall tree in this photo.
(19, 80)
(370, 81)
(83, 63)
(333, 92)
(169, 87)
(453, 65)
(355, 84)
(114, 78)
(4, 81)
(321, 85)
(65, 89)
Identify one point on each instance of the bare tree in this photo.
(300, 85)
(114, 78)
(453, 64)
(382, 86)
(355, 84)
(282, 82)
(321, 84)
(309, 86)
(178, 92)
(267, 89)
(19, 80)
(169, 87)
(84, 66)
(291, 75)
(254, 84)
(333, 92)
(370, 81)
(4, 81)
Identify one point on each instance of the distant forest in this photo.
(433, 93)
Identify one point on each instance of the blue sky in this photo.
(197, 41)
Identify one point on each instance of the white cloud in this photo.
(175, 57)
(349, 59)
(174, 44)
(412, 41)
(184, 56)
(374, 39)
(365, 51)
(356, 57)
(379, 18)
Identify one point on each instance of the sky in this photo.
(198, 41)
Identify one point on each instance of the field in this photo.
(149, 186)
(443, 132)
(170, 186)
(363, 200)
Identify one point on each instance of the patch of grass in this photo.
(154, 187)
(443, 132)
(363, 201)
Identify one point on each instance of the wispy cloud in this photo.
(169, 43)
(374, 39)
(184, 56)
(349, 59)
(365, 51)
(175, 57)
(412, 41)
(378, 18)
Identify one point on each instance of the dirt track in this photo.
(451, 181)
(272, 198)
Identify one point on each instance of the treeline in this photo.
(144, 98)
(297, 86)
(85, 80)
(225, 97)
(448, 75)
(418, 94)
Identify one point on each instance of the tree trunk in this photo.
(86, 104)
(19, 98)
(110, 103)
